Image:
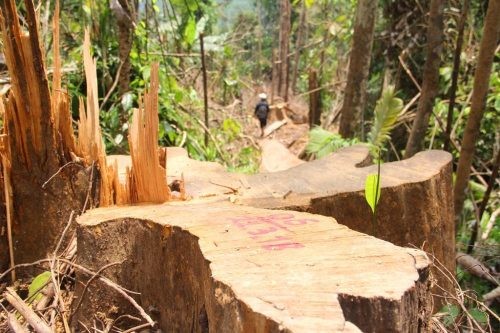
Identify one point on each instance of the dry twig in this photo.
(14, 325)
(474, 267)
(31, 317)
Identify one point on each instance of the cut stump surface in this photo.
(415, 208)
(220, 267)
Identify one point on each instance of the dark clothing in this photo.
(261, 112)
(263, 122)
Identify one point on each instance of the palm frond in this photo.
(387, 111)
(322, 142)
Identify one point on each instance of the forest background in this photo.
(302, 52)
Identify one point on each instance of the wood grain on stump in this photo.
(415, 208)
(214, 266)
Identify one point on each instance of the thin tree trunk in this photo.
(478, 101)
(430, 81)
(125, 37)
(258, 34)
(359, 67)
(314, 99)
(283, 49)
(123, 10)
(456, 69)
(274, 75)
(298, 45)
(484, 202)
(205, 93)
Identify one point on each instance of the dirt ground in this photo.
(293, 134)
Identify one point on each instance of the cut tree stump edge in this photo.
(186, 258)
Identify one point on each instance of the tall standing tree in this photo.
(284, 40)
(480, 88)
(125, 13)
(359, 67)
(454, 75)
(298, 44)
(430, 81)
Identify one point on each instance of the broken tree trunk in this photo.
(219, 267)
(46, 183)
(51, 173)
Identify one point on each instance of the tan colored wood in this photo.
(148, 177)
(39, 141)
(89, 131)
(244, 269)
(415, 208)
(276, 157)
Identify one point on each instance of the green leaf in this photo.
(309, 3)
(322, 142)
(372, 190)
(452, 311)
(479, 315)
(190, 31)
(497, 103)
(230, 82)
(37, 285)
(231, 127)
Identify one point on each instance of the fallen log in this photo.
(276, 157)
(214, 266)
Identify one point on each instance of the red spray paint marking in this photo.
(262, 229)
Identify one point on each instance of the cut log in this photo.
(274, 127)
(276, 157)
(220, 267)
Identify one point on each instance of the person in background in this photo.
(261, 112)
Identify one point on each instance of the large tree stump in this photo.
(415, 207)
(214, 266)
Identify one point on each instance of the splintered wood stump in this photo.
(218, 267)
(42, 182)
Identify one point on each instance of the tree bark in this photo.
(298, 45)
(274, 75)
(359, 67)
(283, 49)
(456, 70)
(314, 99)
(479, 92)
(430, 82)
(482, 206)
(123, 11)
(205, 92)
